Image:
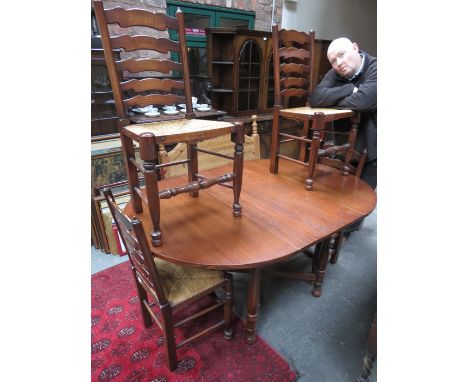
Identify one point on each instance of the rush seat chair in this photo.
(150, 43)
(293, 57)
(170, 286)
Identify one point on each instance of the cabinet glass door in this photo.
(249, 76)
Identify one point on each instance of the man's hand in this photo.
(355, 90)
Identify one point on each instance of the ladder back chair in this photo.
(152, 137)
(169, 285)
(293, 57)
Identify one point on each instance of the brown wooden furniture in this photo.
(108, 171)
(293, 55)
(103, 115)
(169, 285)
(204, 233)
(239, 64)
(154, 91)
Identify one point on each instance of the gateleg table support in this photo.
(252, 305)
(321, 263)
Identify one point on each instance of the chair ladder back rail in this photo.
(137, 249)
(166, 84)
(296, 82)
(140, 17)
(135, 65)
(140, 42)
(294, 92)
(153, 99)
(291, 52)
(291, 35)
(108, 55)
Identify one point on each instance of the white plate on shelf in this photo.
(152, 113)
(173, 112)
(200, 109)
(183, 110)
(145, 109)
(181, 105)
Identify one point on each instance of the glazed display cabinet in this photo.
(241, 69)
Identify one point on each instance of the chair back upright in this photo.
(137, 247)
(121, 28)
(293, 57)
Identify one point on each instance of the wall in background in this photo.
(356, 19)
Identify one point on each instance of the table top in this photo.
(279, 217)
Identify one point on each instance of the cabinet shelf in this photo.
(222, 90)
(223, 62)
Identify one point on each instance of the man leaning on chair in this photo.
(352, 84)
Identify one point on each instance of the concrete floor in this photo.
(324, 338)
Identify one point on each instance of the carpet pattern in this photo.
(123, 350)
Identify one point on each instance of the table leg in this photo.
(252, 305)
(322, 265)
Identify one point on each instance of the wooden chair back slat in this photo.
(147, 64)
(132, 43)
(290, 52)
(139, 17)
(154, 99)
(293, 36)
(294, 92)
(151, 83)
(136, 245)
(300, 69)
(290, 82)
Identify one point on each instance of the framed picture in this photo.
(102, 220)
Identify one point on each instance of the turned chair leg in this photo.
(238, 168)
(274, 141)
(335, 246)
(169, 339)
(228, 330)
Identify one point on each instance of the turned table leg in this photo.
(322, 265)
(252, 305)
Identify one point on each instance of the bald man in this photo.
(352, 84)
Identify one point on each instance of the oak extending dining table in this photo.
(279, 219)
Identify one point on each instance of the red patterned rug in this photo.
(123, 350)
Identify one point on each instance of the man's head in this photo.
(344, 57)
